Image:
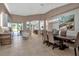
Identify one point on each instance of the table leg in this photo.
(75, 51)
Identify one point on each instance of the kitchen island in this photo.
(5, 38)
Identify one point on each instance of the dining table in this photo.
(64, 39)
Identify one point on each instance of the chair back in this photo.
(77, 40)
(63, 32)
(26, 33)
(50, 36)
(44, 34)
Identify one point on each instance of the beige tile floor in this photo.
(31, 47)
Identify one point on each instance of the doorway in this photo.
(16, 28)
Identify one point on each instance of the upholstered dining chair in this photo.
(50, 37)
(45, 37)
(25, 34)
(75, 45)
(52, 42)
(0, 42)
(63, 32)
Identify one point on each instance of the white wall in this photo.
(52, 25)
(76, 21)
(55, 25)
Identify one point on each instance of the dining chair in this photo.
(50, 37)
(45, 37)
(25, 34)
(63, 32)
(52, 42)
(75, 45)
(0, 41)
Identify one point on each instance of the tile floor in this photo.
(31, 47)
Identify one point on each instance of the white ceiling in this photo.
(25, 9)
